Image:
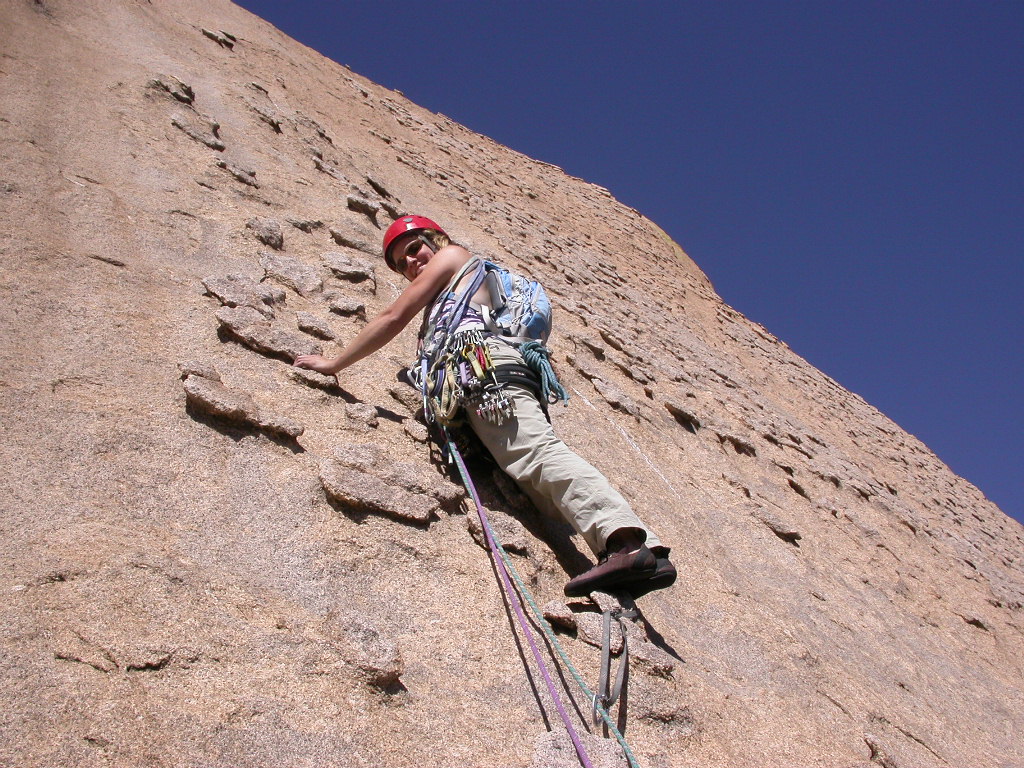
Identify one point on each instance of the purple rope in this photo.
(517, 605)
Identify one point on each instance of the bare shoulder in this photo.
(456, 254)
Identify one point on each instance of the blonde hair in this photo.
(438, 240)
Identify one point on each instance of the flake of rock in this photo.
(741, 446)
(222, 38)
(786, 532)
(175, 87)
(881, 754)
(509, 532)
(613, 341)
(302, 278)
(315, 380)
(417, 479)
(612, 601)
(281, 425)
(306, 225)
(636, 630)
(347, 268)
(361, 416)
(416, 431)
(376, 657)
(586, 368)
(683, 416)
(674, 373)
(197, 368)
(378, 187)
(361, 192)
(660, 706)
(364, 206)
(211, 397)
(241, 174)
(400, 476)
(407, 396)
(201, 129)
(345, 305)
(70, 646)
(634, 370)
(590, 629)
(315, 326)
(349, 241)
(597, 349)
(249, 327)
(616, 398)
(974, 620)
(368, 492)
(649, 656)
(390, 209)
(312, 124)
(267, 231)
(361, 456)
(560, 615)
(329, 169)
(241, 291)
(268, 116)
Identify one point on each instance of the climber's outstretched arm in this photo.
(437, 273)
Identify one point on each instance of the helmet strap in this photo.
(427, 242)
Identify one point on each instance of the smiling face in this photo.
(411, 255)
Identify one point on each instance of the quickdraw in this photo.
(463, 377)
(607, 694)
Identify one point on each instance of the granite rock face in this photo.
(211, 558)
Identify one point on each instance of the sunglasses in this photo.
(410, 250)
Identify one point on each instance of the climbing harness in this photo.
(516, 596)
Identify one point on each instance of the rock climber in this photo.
(521, 440)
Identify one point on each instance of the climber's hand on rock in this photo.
(316, 363)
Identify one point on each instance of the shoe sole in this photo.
(614, 580)
(664, 576)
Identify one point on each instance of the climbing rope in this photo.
(502, 568)
(505, 571)
(538, 358)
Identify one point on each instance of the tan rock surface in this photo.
(182, 592)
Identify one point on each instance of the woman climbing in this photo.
(472, 368)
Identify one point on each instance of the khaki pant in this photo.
(548, 472)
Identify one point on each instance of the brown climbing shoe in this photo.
(664, 576)
(614, 571)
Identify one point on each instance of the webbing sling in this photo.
(605, 696)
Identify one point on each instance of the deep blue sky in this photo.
(849, 175)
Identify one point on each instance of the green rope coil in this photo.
(538, 358)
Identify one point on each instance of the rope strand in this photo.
(517, 606)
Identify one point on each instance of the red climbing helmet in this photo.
(404, 225)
